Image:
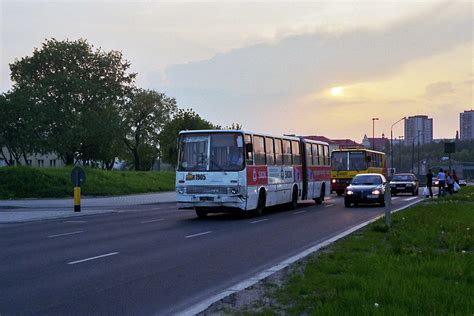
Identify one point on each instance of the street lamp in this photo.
(413, 153)
(391, 138)
(373, 131)
(400, 138)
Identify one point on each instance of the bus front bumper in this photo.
(211, 201)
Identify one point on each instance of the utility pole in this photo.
(400, 152)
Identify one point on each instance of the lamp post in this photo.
(373, 131)
(400, 138)
(391, 138)
(413, 153)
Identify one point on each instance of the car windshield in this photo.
(366, 180)
(403, 178)
(211, 152)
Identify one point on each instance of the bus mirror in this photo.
(248, 147)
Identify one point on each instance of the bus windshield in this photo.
(211, 152)
(343, 160)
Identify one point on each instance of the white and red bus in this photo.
(226, 170)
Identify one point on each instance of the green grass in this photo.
(423, 264)
(25, 182)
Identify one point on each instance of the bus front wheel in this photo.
(260, 204)
(294, 198)
(201, 213)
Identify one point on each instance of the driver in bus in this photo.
(235, 156)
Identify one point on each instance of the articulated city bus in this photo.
(228, 170)
(346, 163)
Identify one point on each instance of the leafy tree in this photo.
(145, 116)
(183, 120)
(80, 91)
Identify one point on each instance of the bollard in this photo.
(77, 199)
(388, 204)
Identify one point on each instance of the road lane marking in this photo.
(299, 212)
(328, 205)
(394, 197)
(75, 222)
(409, 199)
(200, 234)
(260, 220)
(66, 234)
(203, 305)
(93, 258)
(152, 220)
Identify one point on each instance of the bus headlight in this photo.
(333, 180)
(234, 190)
(180, 190)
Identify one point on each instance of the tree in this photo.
(145, 116)
(183, 120)
(80, 92)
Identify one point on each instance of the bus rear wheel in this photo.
(260, 205)
(201, 213)
(320, 199)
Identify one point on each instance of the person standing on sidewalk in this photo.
(455, 177)
(442, 182)
(429, 182)
(450, 183)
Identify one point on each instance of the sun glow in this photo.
(337, 91)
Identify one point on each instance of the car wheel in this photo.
(347, 203)
(382, 203)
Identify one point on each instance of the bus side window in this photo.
(309, 155)
(269, 151)
(287, 153)
(295, 149)
(328, 155)
(314, 149)
(259, 150)
(248, 149)
(321, 154)
(278, 152)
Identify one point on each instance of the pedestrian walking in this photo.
(442, 182)
(429, 182)
(450, 183)
(455, 177)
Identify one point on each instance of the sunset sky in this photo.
(320, 68)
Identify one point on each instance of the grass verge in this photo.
(423, 264)
(25, 182)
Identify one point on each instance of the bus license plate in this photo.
(207, 198)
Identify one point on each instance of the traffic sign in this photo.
(78, 176)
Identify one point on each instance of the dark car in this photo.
(366, 188)
(404, 183)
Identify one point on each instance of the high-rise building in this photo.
(466, 124)
(418, 128)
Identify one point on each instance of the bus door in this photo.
(304, 156)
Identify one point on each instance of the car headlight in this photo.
(376, 192)
(333, 180)
(349, 192)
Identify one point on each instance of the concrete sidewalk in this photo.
(25, 210)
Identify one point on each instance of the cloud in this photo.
(437, 89)
(256, 76)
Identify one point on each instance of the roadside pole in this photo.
(388, 204)
(78, 177)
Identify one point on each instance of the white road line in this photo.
(260, 220)
(394, 197)
(299, 212)
(75, 222)
(93, 258)
(66, 234)
(202, 306)
(152, 220)
(409, 199)
(200, 234)
(328, 205)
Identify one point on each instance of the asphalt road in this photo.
(154, 259)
